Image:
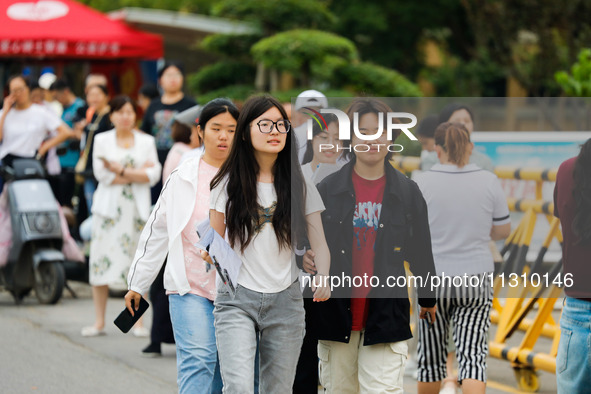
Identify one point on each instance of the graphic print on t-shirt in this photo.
(265, 216)
(368, 207)
(162, 128)
(365, 221)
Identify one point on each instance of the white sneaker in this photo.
(92, 331)
(141, 332)
(448, 389)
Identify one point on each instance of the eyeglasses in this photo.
(266, 126)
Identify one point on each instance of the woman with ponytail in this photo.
(572, 204)
(467, 208)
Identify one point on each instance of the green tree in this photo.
(578, 82)
(531, 39)
(298, 51)
(273, 16)
(373, 80)
(387, 32)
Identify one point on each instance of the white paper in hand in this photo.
(226, 261)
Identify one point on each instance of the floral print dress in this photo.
(114, 240)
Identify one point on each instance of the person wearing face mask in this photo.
(459, 113)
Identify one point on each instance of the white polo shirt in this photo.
(463, 204)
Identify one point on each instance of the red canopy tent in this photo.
(67, 29)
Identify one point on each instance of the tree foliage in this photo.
(219, 75)
(278, 15)
(235, 46)
(387, 32)
(532, 39)
(374, 80)
(295, 50)
(236, 93)
(578, 82)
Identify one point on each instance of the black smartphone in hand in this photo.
(125, 321)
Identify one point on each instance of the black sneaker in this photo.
(152, 350)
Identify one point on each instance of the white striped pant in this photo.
(469, 311)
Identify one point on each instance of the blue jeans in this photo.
(573, 361)
(89, 189)
(198, 369)
(278, 319)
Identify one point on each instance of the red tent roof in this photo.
(67, 29)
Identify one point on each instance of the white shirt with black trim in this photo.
(463, 205)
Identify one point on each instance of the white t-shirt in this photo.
(25, 130)
(265, 267)
(463, 203)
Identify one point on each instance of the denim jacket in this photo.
(402, 235)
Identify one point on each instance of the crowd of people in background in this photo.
(138, 188)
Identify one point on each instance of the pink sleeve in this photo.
(173, 159)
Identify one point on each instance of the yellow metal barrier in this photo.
(521, 299)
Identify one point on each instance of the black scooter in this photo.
(35, 259)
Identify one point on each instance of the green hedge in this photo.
(221, 75)
(372, 80)
(277, 15)
(296, 49)
(236, 93)
(234, 46)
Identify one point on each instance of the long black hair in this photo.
(582, 194)
(241, 170)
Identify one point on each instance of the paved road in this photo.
(42, 351)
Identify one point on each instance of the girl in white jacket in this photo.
(171, 229)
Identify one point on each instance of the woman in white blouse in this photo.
(125, 163)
